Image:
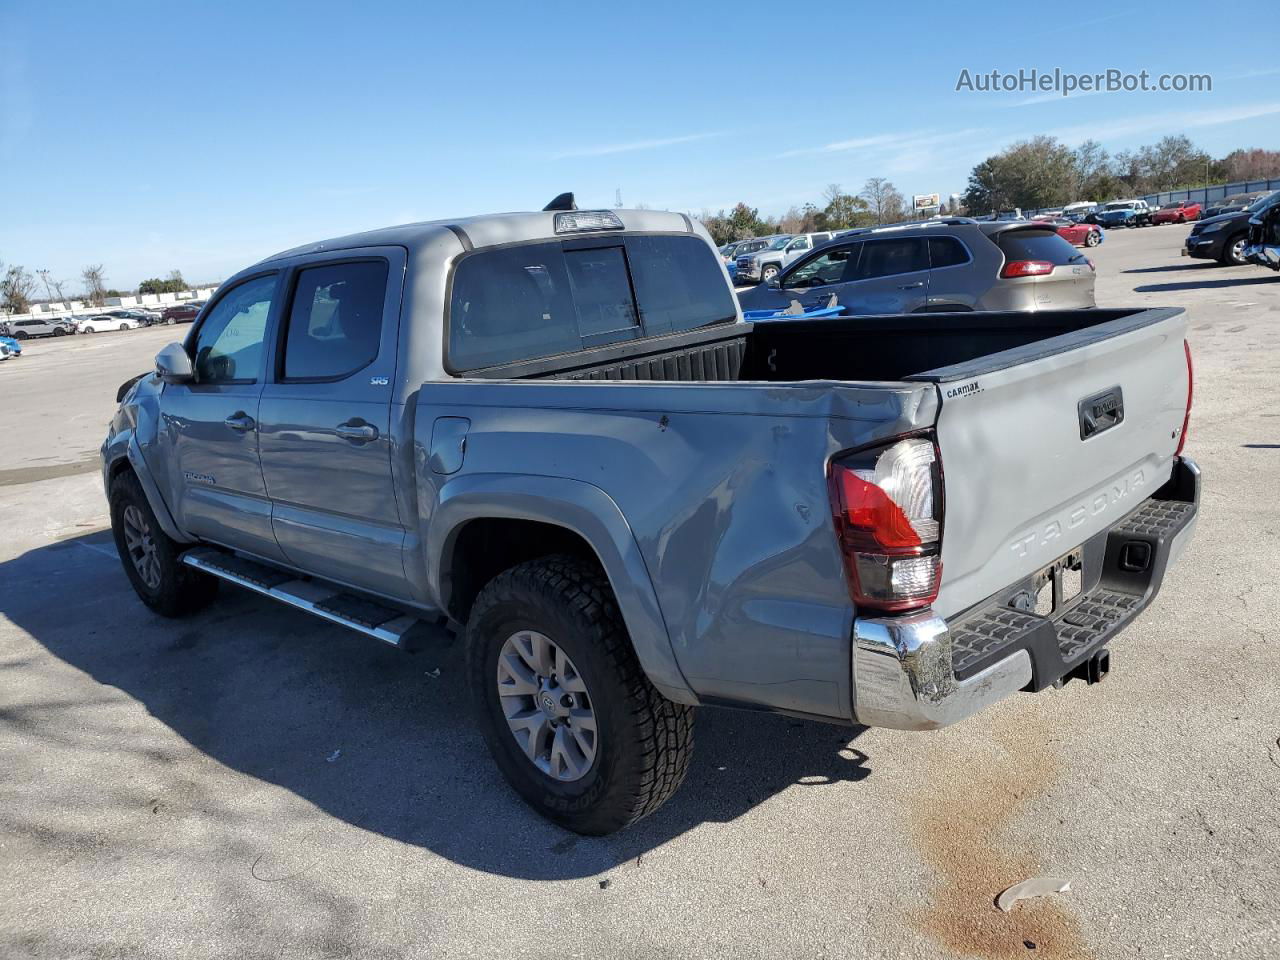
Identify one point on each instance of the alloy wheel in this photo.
(546, 705)
(142, 548)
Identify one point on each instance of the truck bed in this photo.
(930, 347)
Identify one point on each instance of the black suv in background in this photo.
(1224, 237)
(935, 266)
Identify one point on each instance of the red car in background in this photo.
(1180, 211)
(1080, 234)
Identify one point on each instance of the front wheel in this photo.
(769, 272)
(1233, 251)
(568, 714)
(170, 322)
(151, 560)
(87, 330)
(59, 332)
(124, 326)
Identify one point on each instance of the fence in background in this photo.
(1208, 195)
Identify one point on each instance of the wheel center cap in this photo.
(548, 703)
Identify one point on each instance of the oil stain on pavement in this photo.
(964, 831)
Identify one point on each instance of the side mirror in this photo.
(173, 365)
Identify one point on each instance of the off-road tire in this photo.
(182, 590)
(644, 741)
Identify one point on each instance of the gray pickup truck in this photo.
(552, 433)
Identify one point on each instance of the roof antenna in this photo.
(562, 202)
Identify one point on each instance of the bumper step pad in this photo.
(1128, 566)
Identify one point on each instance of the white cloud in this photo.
(1170, 121)
(605, 149)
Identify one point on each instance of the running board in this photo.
(326, 601)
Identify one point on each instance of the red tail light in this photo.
(1026, 268)
(1186, 420)
(887, 507)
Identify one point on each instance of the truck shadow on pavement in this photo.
(374, 737)
(1173, 268)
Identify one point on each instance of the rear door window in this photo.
(541, 299)
(890, 257)
(1037, 245)
(335, 323)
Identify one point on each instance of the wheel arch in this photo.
(486, 523)
(123, 455)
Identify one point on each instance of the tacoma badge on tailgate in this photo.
(1101, 412)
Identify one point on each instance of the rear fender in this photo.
(589, 512)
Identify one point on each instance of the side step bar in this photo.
(327, 601)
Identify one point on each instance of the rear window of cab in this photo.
(534, 300)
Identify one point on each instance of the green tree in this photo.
(1040, 172)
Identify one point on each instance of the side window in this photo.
(946, 252)
(335, 323)
(833, 266)
(800, 243)
(228, 344)
(889, 257)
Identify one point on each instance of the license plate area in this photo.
(1059, 584)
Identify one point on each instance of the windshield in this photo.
(1118, 206)
(1264, 203)
(779, 243)
(1172, 206)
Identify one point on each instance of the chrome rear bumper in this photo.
(920, 672)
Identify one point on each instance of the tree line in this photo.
(1044, 172)
(879, 201)
(19, 288)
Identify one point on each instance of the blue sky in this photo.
(205, 136)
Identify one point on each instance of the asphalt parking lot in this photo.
(254, 783)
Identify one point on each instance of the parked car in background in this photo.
(750, 270)
(768, 263)
(1264, 238)
(13, 345)
(136, 316)
(1179, 211)
(38, 327)
(957, 264)
(1224, 237)
(179, 313)
(1079, 234)
(1232, 204)
(1125, 213)
(6, 351)
(102, 322)
(1076, 212)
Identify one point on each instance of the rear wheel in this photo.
(566, 710)
(151, 560)
(1092, 238)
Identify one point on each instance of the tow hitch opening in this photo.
(1092, 670)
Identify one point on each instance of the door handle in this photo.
(912, 286)
(357, 431)
(240, 421)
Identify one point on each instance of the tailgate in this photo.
(1035, 458)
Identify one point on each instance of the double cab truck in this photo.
(551, 435)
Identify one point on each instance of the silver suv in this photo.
(38, 327)
(769, 261)
(938, 266)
